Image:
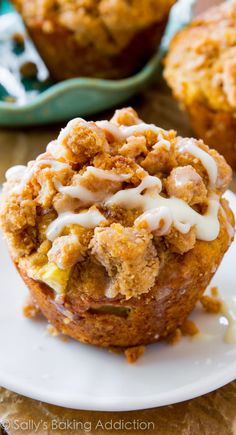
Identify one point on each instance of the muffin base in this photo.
(65, 58)
(157, 314)
(217, 129)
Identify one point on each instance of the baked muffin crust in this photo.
(201, 71)
(98, 38)
(201, 63)
(107, 24)
(115, 242)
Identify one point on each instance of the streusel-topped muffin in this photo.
(96, 38)
(201, 70)
(118, 228)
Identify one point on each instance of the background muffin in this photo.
(201, 70)
(118, 228)
(96, 38)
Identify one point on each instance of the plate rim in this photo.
(114, 404)
(55, 90)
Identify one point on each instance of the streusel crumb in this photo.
(134, 353)
(30, 309)
(189, 328)
(211, 304)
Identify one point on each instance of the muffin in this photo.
(201, 70)
(96, 38)
(118, 228)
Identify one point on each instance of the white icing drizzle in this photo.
(159, 212)
(183, 228)
(140, 129)
(123, 132)
(162, 142)
(52, 147)
(158, 219)
(89, 219)
(15, 171)
(207, 161)
(107, 175)
(85, 195)
(29, 171)
(67, 130)
(112, 129)
(229, 311)
(183, 216)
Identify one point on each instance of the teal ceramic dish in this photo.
(39, 101)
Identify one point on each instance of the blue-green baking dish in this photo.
(46, 102)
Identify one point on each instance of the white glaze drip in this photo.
(52, 147)
(158, 220)
(183, 216)
(89, 219)
(207, 161)
(229, 311)
(79, 192)
(85, 195)
(29, 172)
(140, 129)
(158, 212)
(15, 171)
(107, 175)
(112, 129)
(162, 142)
(182, 227)
(68, 128)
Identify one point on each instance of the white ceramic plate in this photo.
(74, 375)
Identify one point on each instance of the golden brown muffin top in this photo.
(109, 201)
(201, 63)
(109, 24)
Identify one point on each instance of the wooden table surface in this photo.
(211, 414)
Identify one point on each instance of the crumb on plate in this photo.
(189, 328)
(214, 291)
(134, 353)
(30, 309)
(175, 337)
(211, 304)
(51, 330)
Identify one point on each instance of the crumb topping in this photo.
(201, 64)
(92, 202)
